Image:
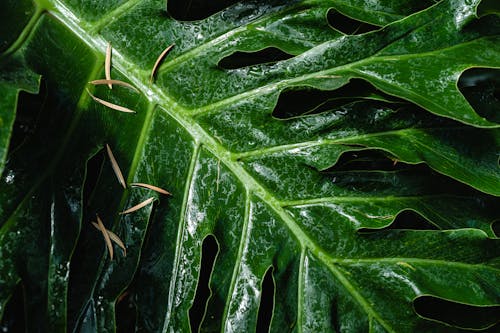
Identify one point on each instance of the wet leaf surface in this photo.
(302, 176)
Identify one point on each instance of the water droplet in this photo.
(9, 178)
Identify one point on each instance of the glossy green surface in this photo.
(14, 16)
(321, 194)
(14, 78)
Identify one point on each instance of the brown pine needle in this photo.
(117, 82)
(118, 241)
(158, 61)
(115, 167)
(114, 238)
(138, 206)
(104, 232)
(110, 105)
(107, 65)
(151, 187)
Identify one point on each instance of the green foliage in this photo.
(348, 159)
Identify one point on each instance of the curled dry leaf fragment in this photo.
(107, 65)
(138, 206)
(117, 82)
(115, 167)
(110, 105)
(158, 61)
(104, 232)
(114, 238)
(151, 187)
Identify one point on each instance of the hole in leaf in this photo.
(13, 317)
(488, 7)
(244, 59)
(335, 320)
(192, 10)
(457, 314)
(126, 313)
(481, 88)
(93, 172)
(298, 102)
(29, 110)
(209, 251)
(367, 160)
(348, 25)
(495, 227)
(266, 307)
(376, 160)
(407, 219)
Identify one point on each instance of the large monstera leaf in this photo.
(346, 164)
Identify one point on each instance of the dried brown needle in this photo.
(110, 105)
(151, 187)
(117, 82)
(104, 232)
(114, 238)
(138, 206)
(158, 61)
(118, 241)
(107, 65)
(116, 167)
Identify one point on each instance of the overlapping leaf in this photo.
(310, 192)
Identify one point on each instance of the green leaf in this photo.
(365, 199)
(14, 77)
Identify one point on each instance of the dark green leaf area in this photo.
(373, 198)
(385, 58)
(14, 78)
(488, 7)
(14, 15)
(380, 13)
(464, 153)
(96, 11)
(474, 317)
(334, 304)
(346, 167)
(380, 279)
(348, 25)
(196, 9)
(13, 316)
(482, 88)
(218, 209)
(41, 192)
